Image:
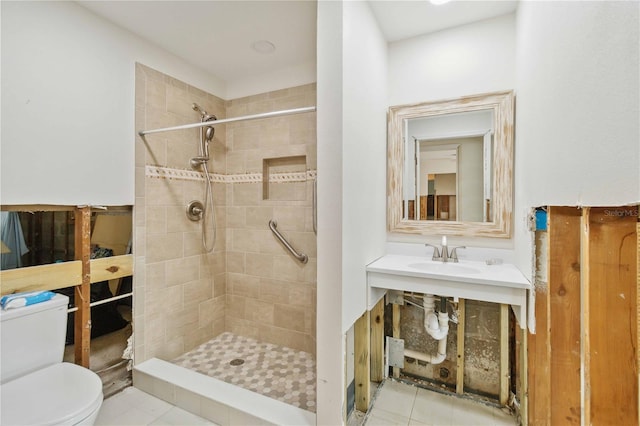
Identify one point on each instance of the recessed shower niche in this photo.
(284, 178)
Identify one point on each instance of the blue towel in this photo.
(18, 300)
(12, 236)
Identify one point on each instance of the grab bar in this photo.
(315, 206)
(300, 256)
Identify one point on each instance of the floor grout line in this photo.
(275, 371)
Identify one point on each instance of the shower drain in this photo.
(237, 361)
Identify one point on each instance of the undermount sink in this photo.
(444, 268)
(501, 283)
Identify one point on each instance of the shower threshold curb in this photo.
(213, 399)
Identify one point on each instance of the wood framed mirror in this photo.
(450, 166)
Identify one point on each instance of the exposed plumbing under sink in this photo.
(437, 325)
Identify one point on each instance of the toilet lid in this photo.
(63, 393)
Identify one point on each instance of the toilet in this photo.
(36, 387)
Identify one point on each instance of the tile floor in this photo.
(395, 404)
(398, 403)
(132, 407)
(275, 371)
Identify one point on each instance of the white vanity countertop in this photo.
(469, 271)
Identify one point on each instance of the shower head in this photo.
(203, 114)
(197, 108)
(208, 132)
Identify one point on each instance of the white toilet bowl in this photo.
(61, 394)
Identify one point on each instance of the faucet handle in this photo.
(436, 252)
(454, 254)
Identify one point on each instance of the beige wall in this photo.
(270, 295)
(250, 284)
(179, 290)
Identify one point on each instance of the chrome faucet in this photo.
(442, 254)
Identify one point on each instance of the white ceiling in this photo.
(399, 20)
(216, 35)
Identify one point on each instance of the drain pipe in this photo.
(437, 325)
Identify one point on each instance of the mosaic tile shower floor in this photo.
(275, 371)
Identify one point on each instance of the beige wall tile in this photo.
(260, 312)
(198, 291)
(260, 265)
(284, 337)
(245, 137)
(155, 275)
(181, 151)
(210, 310)
(242, 327)
(258, 217)
(156, 219)
(243, 285)
(193, 190)
(213, 263)
(275, 291)
(179, 102)
(248, 240)
(246, 194)
(235, 305)
(291, 218)
(246, 295)
(163, 192)
(139, 212)
(301, 295)
(163, 247)
(140, 243)
(289, 269)
(235, 262)
(182, 270)
(152, 74)
(220, 284)
(155, 94)
(289, 317)
(177, 220)
(294, 191)
(164, 300)
(236, 217)
(192, 243)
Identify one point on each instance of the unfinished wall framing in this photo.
(460, 372)
(583, 360)
(80, 273)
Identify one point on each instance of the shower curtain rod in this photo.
(230, 120)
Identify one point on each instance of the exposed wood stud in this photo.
(504, 354)
(396, 332)
(60, 275)
(584, 319)
(524, 376)
(539, 358)
(82, 324)
(460, 351)
(377, 342)
(612, 316)
(362, 343)
(42, 277)
(564, 311)
(73, 273)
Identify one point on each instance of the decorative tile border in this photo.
(192, 175)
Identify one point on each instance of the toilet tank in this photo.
(32, 337)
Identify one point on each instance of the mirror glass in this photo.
(450, 166)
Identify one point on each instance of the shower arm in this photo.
(229, 120)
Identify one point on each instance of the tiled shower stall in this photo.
(249, 286)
